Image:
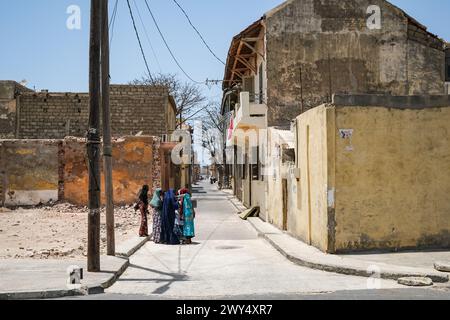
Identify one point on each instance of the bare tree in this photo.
(189, 97)
(214, 139)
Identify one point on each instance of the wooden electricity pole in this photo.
(93, 139)
(106, 121)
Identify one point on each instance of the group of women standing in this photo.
(173, 216)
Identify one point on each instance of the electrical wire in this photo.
(112, 22)
(148, 38)
(168, 47)
(139, 40)
(198, 32)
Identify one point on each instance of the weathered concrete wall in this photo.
(321, 47)
(9, 90)
(310, 219)
(58, 115)
(392, 184)
(29, 171)
(372, 177)
(132, 168)
(38, 171)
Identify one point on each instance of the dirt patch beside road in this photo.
(57, 232)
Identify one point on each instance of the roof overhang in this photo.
(242, 50)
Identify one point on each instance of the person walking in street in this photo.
(157, 206)
(188, 216)
(142, 205)
(168, 217)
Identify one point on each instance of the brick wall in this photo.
(57, 115)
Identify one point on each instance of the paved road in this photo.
(229, 261)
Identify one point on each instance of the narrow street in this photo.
(227, 260)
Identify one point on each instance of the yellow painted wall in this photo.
(28, 171)
(309, 220)
(298, 213)
(392, 178)
(273, 180)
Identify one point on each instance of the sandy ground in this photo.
(57, 232)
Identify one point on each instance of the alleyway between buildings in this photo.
(227, 259)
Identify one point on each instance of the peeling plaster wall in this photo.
(322, 47)
(7, 118)
(40, 171)
(132, 168)
(28, 171)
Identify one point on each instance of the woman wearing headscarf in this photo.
(168, 216)
(142, 205)
(189, 216)
(157, 206)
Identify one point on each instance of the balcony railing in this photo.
(250, 114)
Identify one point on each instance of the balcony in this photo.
(250, 115)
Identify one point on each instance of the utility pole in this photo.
(106, 121)
(93, 139)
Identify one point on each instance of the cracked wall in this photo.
(325, 47)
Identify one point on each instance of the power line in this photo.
(139, 40)
(148, 38)
(168, 47)
(113, 22)
(198, 32)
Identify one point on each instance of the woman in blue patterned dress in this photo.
(189, 216)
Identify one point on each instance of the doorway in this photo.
(285, 204)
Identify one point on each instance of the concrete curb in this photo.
(61, 293)
(128, 248)
(37, 295)
(310, 257)
(237, 204)
(125, 251)
(108, 283)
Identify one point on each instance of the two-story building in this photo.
(296, 58)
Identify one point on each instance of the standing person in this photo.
(142, 205)
(168, 216)
(189, 216)
(181, 193)
(157, 206)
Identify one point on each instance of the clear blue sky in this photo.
(37, 46)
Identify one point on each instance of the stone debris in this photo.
(442, 266)
(58, 231)
(415, 281)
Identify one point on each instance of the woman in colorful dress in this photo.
(157, 206)
(143, 208)
(189, 216)
(170, 205)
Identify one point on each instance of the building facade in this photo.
(298, 57)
